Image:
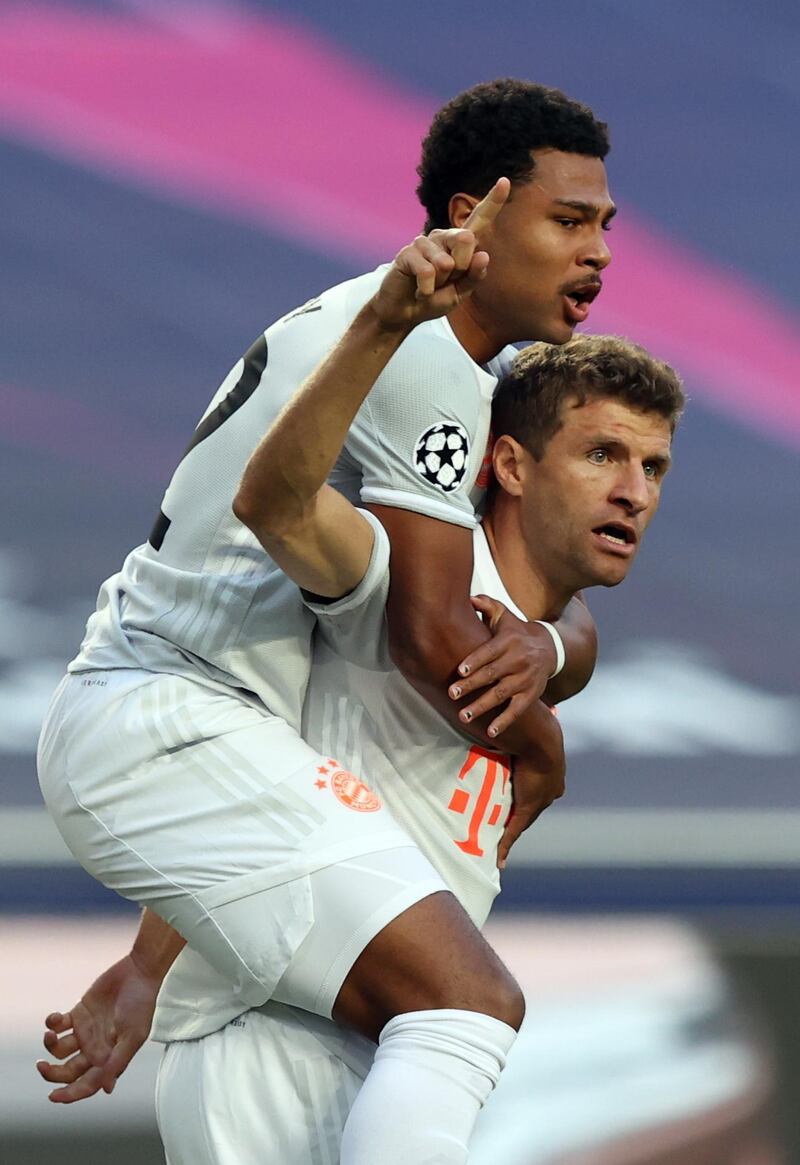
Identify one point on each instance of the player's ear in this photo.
(508, 462)
(460, 207)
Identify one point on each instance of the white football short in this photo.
(276, 1085)
(193, 800)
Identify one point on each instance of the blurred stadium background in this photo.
(176, 175)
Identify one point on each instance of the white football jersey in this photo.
(201, 598)
(452, 798)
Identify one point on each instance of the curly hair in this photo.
(489, 131)
(528, 404)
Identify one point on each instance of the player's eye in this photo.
(607, 225)
(568, 222)
(598, 456)
(651, 470)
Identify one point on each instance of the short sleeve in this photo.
(353, 625)
(420, 436)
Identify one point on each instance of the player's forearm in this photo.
(428, 640)
(429, 671)
(296, 456)
(427, 645)
(156, 946)
(579, 635)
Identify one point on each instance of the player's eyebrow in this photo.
(590, 209)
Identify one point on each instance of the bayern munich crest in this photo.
(352, 792)
(441, 456)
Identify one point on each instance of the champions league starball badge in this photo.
(441, 456)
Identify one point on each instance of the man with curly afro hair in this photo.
(491, 131)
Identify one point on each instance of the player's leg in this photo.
(276, 1085)
(430, 956)
(452, 1011)
(202, 806)
(427, 987)
(161, 789)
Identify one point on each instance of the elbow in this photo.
(241, 508)
(259, 520)
(244, 509)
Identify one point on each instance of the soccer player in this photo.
(171, 757)
(585, 442)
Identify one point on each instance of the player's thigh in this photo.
(140, 769)
(204, 807)
(429, 957)
(388, 938)
(352, 901)
(265, 1088)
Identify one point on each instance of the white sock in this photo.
(431, 1075)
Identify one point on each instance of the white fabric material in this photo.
(183, 798)
(486, 577)
(279, 1085)
(349, 902)
(208, 601)
(431, 1076)
(353, 901)
(452, 800)
(274, 1086)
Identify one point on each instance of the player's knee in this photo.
(504, 1000)
(429, 958)
(489, 988)
(495, 993)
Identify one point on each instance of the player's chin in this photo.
(605, 570)
(612, 574)
(556, 331)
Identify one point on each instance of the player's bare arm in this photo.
(314, 534)
(507, 657)
(430, 626)
(433, 627)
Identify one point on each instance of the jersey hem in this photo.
(429, 507)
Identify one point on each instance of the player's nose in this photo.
(632, 490)
(598, 254)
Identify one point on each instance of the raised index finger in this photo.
(487, 210)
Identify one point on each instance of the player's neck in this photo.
(472, 335)
(526, 580)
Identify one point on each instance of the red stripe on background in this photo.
(251, 116)
(265, 121)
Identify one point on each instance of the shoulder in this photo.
(432, 363)
(331, 310)
(299, 340)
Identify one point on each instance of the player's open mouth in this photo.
(616, 537)
(578, 300)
